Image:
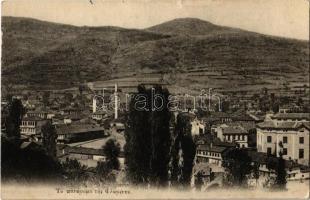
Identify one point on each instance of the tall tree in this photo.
(75, 171)
(68, 97)
(280, 173)
(104, 172)
(14, 119)
(137, 148)
(199, 181)
(183, 153)
(147, 148)
(105, 169)
(159, 127)
(238, 165)
(45, 98)
(29, 163)
(112, 149)
(81, 89)
(49, 138)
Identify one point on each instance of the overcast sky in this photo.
(288, 18)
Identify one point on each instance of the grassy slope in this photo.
(190, 53)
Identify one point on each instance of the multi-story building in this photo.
(287, 133)
(99, 115)
(69, 133)
(31, 127)
(86, 156)
(210, 154)
(235, 132)
(37, 113)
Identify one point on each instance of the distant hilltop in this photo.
(188, 53)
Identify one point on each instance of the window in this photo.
(284, 139)
(301, 140)
(301, 153)
(284, 151)
(269, 139)
(268, 151)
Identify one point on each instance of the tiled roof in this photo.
(291, 116)
(118, 120)
(85, 151)
(283, 125)
(234, 130)
(191, 116)
(217, 149)
(33, 118)
(236, 116)
(73, 116)
(220, 115)
(77, 128)
(257, 117)
(266, 124)
(100, 113)
(306, 124)
(288, 125)
(71, 109)
(224, 144)
(37, 112)
(221, 125)
(246, 125)
(25, 145)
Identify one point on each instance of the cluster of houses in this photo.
(280, 134)
(77, 126)
(82, 132)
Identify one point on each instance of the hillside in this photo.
(190, 27)
(188, 53)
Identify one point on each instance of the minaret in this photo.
(116, 108)
(103, 106)
(94, 104)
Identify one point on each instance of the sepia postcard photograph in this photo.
(155, 99)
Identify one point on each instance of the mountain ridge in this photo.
(58, 56)
(188, 26)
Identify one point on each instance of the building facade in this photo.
(285, 133)
(69, 133)
(233, 133)
(31, 127)
(210, 154)
(198, 127)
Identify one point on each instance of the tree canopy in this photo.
(148, 139)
